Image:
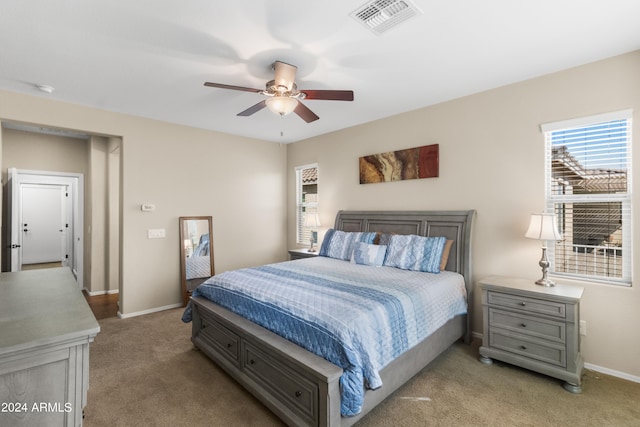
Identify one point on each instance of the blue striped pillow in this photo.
(340, 244)
(418, 253)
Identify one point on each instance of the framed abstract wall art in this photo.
(410, 163)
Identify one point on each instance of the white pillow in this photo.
(368, 254)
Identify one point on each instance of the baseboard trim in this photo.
(93, 294)
(151, 310)
(612, 372)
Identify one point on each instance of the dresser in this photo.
(534, 327)
(46, 326)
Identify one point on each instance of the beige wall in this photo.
(113, 215)
(27, 150)
(96, 212)
(492, 160)
(241, 182)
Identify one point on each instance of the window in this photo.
(588, 187)
(306, 202)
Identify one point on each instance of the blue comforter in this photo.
(357, 317)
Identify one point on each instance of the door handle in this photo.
(25, 230)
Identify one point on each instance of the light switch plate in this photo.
(156, 233)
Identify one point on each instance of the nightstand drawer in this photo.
(525, 304)
(536, 327)
(522, 345)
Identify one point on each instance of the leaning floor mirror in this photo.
(196, 252)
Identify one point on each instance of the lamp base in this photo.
(544, 264)
(545, 282)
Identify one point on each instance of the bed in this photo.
(298, 385)
(198, 264)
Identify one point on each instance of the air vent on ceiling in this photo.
(382, 15)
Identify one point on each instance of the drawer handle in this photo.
(523, 303)
(252, 362)
(298, 393)
(524, 325)
(204, 325)
(229, 345)
(523, 347)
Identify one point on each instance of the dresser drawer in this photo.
(537, 327)
(526, 304)
(221, 338)
(294, 390)
(543, 351)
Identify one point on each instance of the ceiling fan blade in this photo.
(305, 113)
(285, 74)
(254, 109)
(223, 86)
(331, 95)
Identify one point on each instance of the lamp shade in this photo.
(282, 105)
(543, 227)
(311, 219)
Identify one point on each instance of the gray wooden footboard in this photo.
(298, 386)
(302, 388)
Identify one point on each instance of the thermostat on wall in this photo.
(147, 207)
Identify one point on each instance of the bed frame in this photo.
(302, 388)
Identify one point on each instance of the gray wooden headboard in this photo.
(454, 225)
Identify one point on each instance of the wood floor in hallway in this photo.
(103, 306)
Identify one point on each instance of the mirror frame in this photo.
(186, 292)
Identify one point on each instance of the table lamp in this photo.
(543, 227)
(311, 220)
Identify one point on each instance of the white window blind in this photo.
(306, 201)
(588, 187)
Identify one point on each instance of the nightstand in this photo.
(534, 327)
(301, 253)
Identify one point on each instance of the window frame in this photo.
(625, 199)
(303, 239)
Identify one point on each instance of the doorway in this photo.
(44, 224)
(46, 218)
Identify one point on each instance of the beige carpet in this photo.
(144, 372)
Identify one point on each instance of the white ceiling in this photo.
(151, 58)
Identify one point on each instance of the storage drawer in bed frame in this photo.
(296, 393)
(292, 388)
(223, 339)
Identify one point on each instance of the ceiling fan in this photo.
(283, 96)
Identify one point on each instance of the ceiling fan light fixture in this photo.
(282, 105)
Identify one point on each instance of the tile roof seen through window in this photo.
(584, 180)
(310, 176)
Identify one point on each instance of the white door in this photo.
(72, 213)
(43, 223)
